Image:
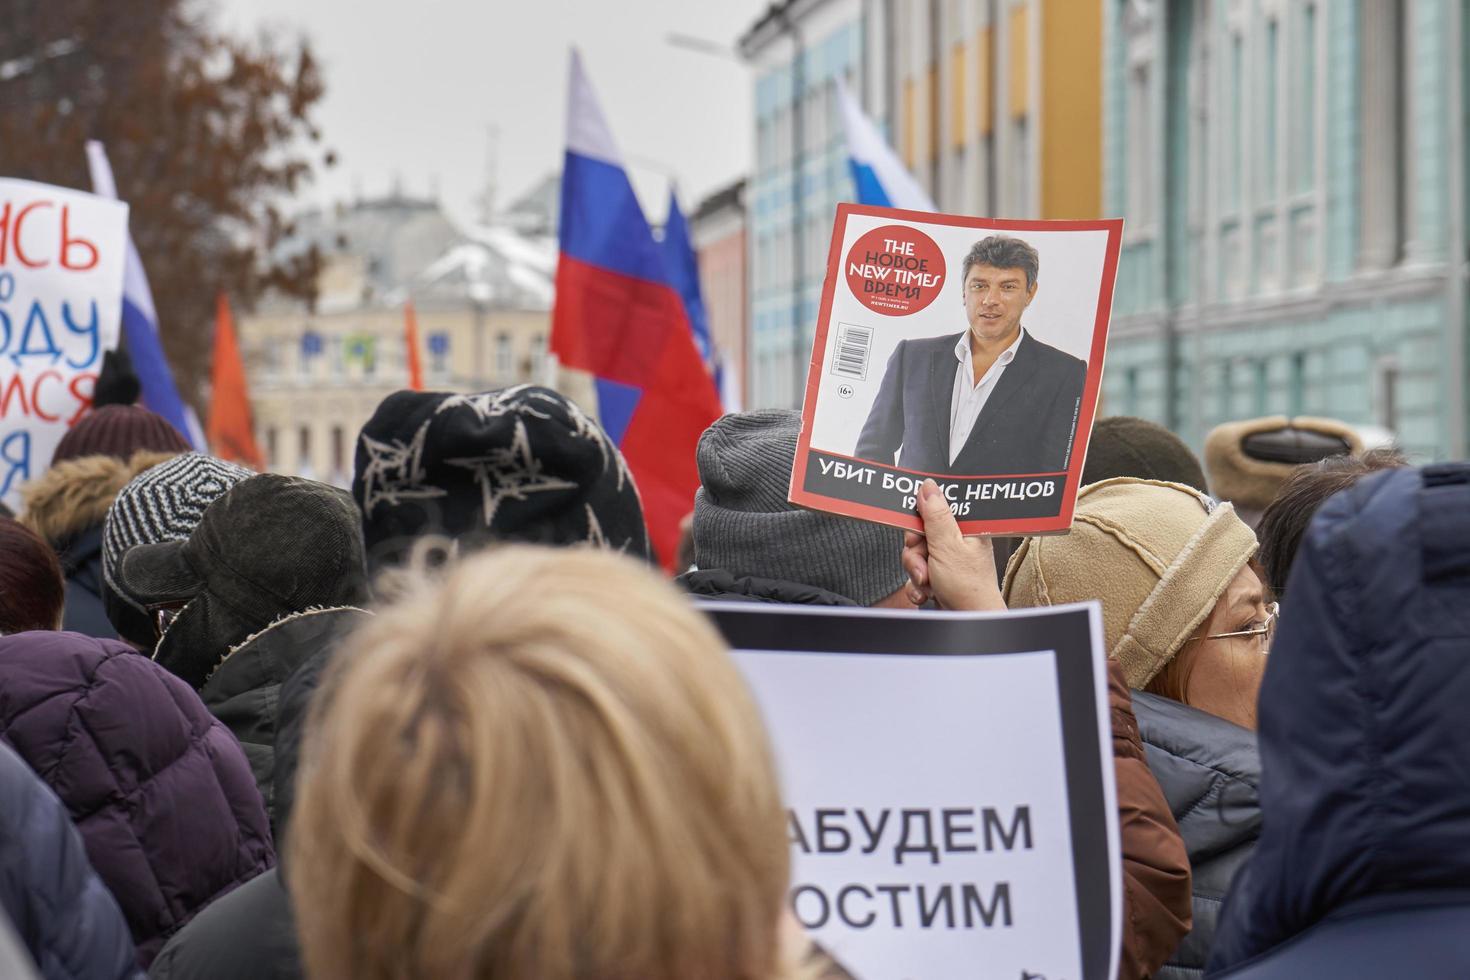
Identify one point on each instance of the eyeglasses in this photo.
(1265, 632)
(163, 616)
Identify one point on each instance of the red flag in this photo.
(411, 341)
(231, 432)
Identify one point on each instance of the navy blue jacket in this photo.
(63, 914)
(1363, 864)
(1027, 424)
(1209, 771)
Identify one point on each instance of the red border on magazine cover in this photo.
(1078, 458)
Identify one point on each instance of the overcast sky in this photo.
(412, 88)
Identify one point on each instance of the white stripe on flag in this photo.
(866, 146)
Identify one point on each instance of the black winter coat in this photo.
(62, 913)
(1363, 867)
(250, 934)
(715, 583)
(1210, 772)
(243, 691)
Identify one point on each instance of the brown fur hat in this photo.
(75, 495)
(1248, 476)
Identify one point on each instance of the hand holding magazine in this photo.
(969, 350)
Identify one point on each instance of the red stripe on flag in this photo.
(636, 332)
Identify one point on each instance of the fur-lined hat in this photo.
(1248, 461)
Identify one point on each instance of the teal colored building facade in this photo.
(1293, 178)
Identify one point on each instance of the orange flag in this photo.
(411, 341)
(231, 432)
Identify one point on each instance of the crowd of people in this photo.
(454, 724)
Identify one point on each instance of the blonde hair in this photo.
(543, 766)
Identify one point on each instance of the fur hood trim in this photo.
(76, 494)
(1253, 483)
(282, 621)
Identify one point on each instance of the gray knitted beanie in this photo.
(743, 523)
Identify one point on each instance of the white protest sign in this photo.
(949, 783)
(61, 277)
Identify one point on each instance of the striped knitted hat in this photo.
(161, 504)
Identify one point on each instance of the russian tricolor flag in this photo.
(881, 177)
(140, 321)
(619, 317)
(683, 265)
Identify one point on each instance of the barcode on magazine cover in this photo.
(854, 344)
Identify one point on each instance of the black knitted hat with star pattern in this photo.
(519, 464)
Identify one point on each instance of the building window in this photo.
(303, 443)
(439, 354)
(339, 453)
(1017, 175)
(1138, 204)
(538, 359)
(1383, 229)
(272, 448)
(1270, 112)
(362, 349)
(1235, 148)
(1262, 392)
(1386, 396)
(1298, 396)
(1130, 392)
(1306, 128)
(504, 359)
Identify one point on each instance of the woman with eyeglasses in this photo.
(1185, 617)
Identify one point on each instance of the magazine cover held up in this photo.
(969, 350)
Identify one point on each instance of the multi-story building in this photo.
(998, 106)
(798, 49)
(717, 228)
(994, 105)
(481, 303)
(1293, 175)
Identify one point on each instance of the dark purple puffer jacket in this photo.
(160, 791)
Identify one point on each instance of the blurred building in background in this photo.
(997, 104)
(994, 105)
(482, 300)
(718, 230)
(1293, 175)
(798, 49)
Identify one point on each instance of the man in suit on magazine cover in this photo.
(992, 400)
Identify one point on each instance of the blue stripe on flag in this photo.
(869, 189)
(602, 224)
(616, 403)
(149, 363)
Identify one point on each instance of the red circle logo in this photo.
(895, 270)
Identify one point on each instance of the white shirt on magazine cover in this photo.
(970, 396)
